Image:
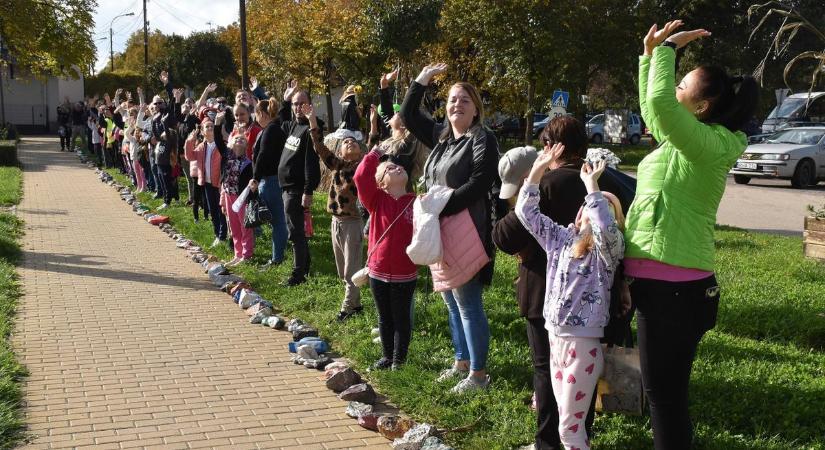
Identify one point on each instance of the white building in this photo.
(31, 103)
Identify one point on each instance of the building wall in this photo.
(31, 104)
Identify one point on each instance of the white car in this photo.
(595, 129)
(796, 154)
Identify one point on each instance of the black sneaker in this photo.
(294, 281)
(381, 364)
(343, 315)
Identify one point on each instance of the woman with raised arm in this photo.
(464, 157)
(669, 262)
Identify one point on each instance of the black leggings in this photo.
(394, 304)
(672, 318)
(198, 200)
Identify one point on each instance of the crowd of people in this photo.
(590, 254)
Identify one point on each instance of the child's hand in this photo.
(590, 175)
(545, 158)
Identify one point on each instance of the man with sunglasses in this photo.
(299, 173)
(164, 137)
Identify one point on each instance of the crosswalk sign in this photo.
(560, 98)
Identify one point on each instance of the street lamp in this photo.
(111, 40)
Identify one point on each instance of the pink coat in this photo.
(196, 154)
(463, 254)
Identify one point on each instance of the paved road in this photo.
(770, 206)
(129, 345)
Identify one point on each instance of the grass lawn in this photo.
(11, 182)
(758, 382)
(11, 372)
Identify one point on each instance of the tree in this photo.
(48, 37)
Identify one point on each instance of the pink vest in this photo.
(463, 254)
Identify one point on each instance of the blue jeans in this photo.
(468, 324)
(271, 195)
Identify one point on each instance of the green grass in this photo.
(11, 372)
(11, 181)
(759, 377)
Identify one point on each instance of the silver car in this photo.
(796, 154)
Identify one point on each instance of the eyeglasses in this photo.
(208, 127)
(299, 104)
(158, 103)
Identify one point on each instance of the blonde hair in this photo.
(586, 241)
(381, 172)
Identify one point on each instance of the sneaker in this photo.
(269, 264)
(376, 340)
(452, 372)
(163, 206)
(343, 315)
(471, 384)
(158, 195)
(232, 263)
(382, 364)
(216, 243)
(375, 331)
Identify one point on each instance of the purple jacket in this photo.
(577, 302)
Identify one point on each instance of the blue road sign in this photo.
(560, 98)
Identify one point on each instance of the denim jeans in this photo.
(218, 219)
(468, 324)
(271, 195)
(156, 176)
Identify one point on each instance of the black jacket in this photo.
(467, 164)
(266, 154)
(299, 169)
(512, 238)
(166, 122)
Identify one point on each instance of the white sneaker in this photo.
(471, 384)
(163, 206)
(233, 263)
(452, 372)
(215, 243)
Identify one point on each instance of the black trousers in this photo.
(213, 203)
(672, 318)
(547, 410)
(295, 226)
(394, 304)
(198, 200)
(166, 182)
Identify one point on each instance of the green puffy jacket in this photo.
(680, 184)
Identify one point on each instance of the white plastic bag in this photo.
(425, 247)
(241, 200)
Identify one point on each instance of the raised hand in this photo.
(309, 111)
(429, 71)
(373, 115)
(683, 38)
(140, 94)
(388, 78)
(655, 36)
(164, 77)
(253, 83)
(178, 93)
(107, 99)
(291, 88)
(590, 174)
(210, 88)
(545, 158)
(128, 95)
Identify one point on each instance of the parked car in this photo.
(759, 138)
(595, 129)
(509, 127)
(796, 154)
(796, 108)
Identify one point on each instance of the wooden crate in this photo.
(813, 239)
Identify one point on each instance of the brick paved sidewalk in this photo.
(129, 345)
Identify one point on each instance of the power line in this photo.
(174, 16)
(181, 12)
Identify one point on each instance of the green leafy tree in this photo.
(47, 37)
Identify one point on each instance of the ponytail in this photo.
(733, 100)
(269, 106)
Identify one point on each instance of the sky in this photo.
(181, 17)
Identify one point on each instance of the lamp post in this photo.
(111, 40)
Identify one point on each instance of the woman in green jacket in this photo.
(669, 237)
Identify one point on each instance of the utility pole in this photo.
(244, 61)
(145, 44)
(111, 39)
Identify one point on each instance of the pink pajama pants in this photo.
(243, 239)
(576, 364)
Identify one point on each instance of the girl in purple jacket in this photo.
(581, 261)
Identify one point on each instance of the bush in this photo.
(8, 153)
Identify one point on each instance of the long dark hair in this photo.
(733, 100)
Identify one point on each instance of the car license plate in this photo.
(746, 165)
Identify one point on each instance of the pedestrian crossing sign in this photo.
(560, 98)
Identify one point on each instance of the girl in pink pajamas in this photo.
(581, 261)
(237, 172)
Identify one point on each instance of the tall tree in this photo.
(48, 37)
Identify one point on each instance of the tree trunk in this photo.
(528, 127)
